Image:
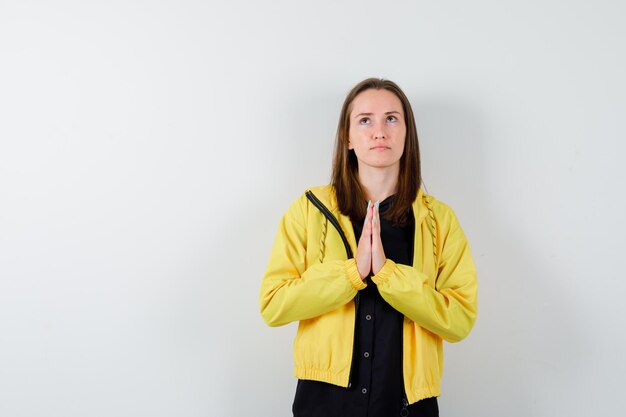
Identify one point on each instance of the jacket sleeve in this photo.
(292, 291)
(448, 310)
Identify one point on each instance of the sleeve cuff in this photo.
(385, 272)
(353, 275)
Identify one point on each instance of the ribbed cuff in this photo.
(353, 275)
(385, 272)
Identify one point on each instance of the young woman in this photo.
(377, 272)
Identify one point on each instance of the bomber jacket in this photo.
(309, 279)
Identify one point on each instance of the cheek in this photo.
(356, 134)
(402, 144)
(358, 129)
(351, 133)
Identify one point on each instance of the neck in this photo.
(379, 183)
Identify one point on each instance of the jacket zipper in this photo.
(331, 218)
(405, 411)
(356, 318)
(405, 403)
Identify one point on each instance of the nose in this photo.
(380, 134)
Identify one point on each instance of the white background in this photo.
(149, 148)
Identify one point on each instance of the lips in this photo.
(380, 148)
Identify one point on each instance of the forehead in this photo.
(376, 101)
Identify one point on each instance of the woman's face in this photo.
(377, 128)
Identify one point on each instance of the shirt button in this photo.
(366, 354)
(364, 390)
(368, 317)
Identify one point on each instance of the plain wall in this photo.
(148, 150)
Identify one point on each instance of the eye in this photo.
(364, 121)
(392, 119)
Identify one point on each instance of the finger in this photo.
(366, 232)
(375, 215)
(364, 249)
(378, 253)
(367, 212)
(376, 239)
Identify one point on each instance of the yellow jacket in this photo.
(309, 279)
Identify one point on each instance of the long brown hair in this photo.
(345, 179)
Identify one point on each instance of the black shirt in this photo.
(376, 387)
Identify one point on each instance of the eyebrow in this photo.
(370, 114)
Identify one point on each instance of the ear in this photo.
(349, 144)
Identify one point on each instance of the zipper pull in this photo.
(404, 412)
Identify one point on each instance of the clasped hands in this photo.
(370, 255)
